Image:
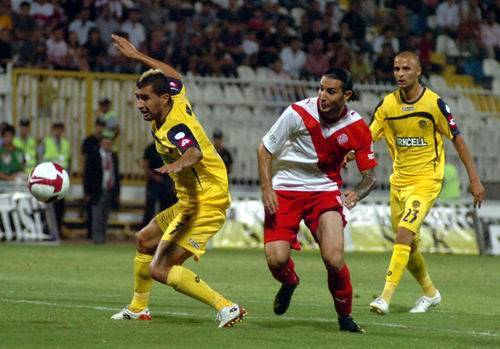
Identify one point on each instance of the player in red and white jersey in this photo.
(300, 160)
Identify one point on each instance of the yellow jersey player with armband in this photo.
(414, 121)
(184, 229)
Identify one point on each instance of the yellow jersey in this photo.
(205, 182)
(414, 135)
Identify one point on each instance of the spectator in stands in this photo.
(107, 24)
(250, 44)
(402, 22)
(6, 20)
(27, 144)
(384, 64)
(3, 125)
(206, 15)
(426, 48)
(55, 148)
(11, 158)
(156, 45)
(99, 181)
(24, 23)
(490, 35)
(118, 63)
(82, 25)
(43, 11)
(293, 57)
(317, 61)
(57, 49)
(6, 53)
(388, 35)
(361, 69)
(355, 22)
(218, 141)
(96, 51)
(448, 16)
(277, 71)
(159, 188)
(77, 55)
(134, 28)
(333, 15)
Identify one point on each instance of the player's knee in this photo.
(334, 262)
(143, 244)
(158, 273)
(277, 261)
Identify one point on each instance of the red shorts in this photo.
(295, 206)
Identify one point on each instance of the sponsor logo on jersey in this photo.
(410, 141)
(422, 124)
(415, 204)
(408, 108)
(194, 243)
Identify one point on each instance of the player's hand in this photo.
(347, 158)
(124, 46)
(351, 198)
(270, 200)
(477, 191)
(169, 168)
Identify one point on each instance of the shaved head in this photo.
(410, 56)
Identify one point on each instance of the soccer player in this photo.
(200, 178)
(300, 160)
(414, 120)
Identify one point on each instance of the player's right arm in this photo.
(269, 198)
(271, 143)
(129, 50)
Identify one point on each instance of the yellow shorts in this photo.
(191, 227)
(410, 205)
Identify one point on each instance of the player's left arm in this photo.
(447, 126)
(182, 137)
(190, 158)
(362, 189)
(476, 187)
(130, 51)
(365, 160)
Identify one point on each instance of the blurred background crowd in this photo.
(297, 38)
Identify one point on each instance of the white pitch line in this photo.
(288, 318)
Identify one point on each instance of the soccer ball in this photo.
(48, 182)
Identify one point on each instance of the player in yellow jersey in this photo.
(200, 178)
(414, 120)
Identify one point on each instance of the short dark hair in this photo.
(345, 77)
(9, 129)
(157, 80)
(24, 122)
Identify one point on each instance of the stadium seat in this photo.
(437, 82)
(233, 93)
(496, 85)
(264, 73)
(245, 72)
(447, 46)
(369, 100)
(194, 92)
(491, 67)
(213, 93)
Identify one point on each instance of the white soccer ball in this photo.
(48, 182)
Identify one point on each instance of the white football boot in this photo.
(230, 315)
(379, 306)
(424, 303)
(126, 314)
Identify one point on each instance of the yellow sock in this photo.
(185, 281)
(397, 266)
(142, 282)
(417, 267)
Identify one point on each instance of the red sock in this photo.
(339, 284)
(287, 274)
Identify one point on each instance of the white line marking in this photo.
(171, 313)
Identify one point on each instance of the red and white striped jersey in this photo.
(307, 153)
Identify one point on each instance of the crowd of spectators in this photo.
(296, 38)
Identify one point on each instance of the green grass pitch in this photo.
(63, 296)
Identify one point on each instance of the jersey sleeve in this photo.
(281, 131)
(377, 122)
(363, 148)
(183, 138)
(445, 122)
